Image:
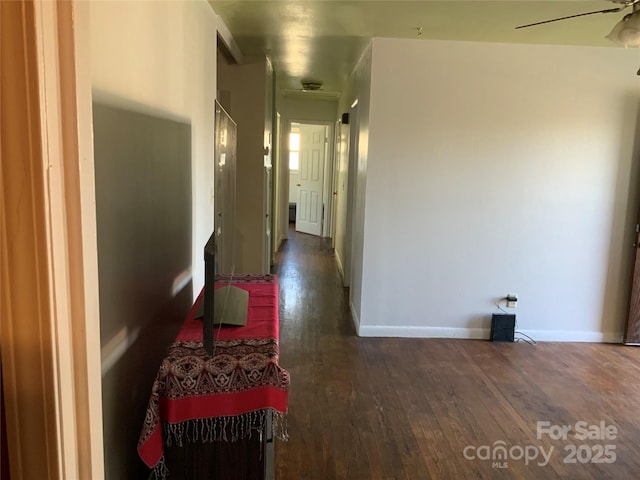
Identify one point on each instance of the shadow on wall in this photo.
(126, 388)
(143, 210)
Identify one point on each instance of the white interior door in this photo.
(310, 203)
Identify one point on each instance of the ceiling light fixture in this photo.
(627, 31)
(309, 86)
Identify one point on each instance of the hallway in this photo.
(389, 408)
(328, 367)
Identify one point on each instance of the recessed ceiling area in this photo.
(321, 40)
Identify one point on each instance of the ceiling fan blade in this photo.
(608, 10)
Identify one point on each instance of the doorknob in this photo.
(297, 184)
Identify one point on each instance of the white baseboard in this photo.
(422, 332)
(573, 336)
(480, 333)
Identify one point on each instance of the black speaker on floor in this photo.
(503, 326)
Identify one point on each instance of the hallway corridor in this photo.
(405, 408)
(319, 347)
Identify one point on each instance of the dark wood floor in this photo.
(383, 408)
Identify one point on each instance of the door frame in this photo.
(267, 212)
(328, 165)
(276, 161)
(352, 172)
(269, 139)
(334, 180)
(45, 327)
(632, 324)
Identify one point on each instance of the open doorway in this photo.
(308, 162)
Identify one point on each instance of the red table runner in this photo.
(198, 398)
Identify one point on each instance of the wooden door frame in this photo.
(632, 324)
(48, 266)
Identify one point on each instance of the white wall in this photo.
(161, 56)
(498, 168)
(350, 226)
(269, 216)
(247, 85)
(158, 58)
(342, 177)
(308, 109)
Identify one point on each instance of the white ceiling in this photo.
(322, 40)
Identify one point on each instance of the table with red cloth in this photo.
(224, 397)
